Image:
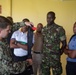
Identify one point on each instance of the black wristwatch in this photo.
(16, 42)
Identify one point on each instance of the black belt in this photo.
(17, 58)
(69, 62)
(37, 52)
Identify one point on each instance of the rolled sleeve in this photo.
(13, 36)
(62, 34)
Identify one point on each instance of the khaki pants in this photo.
(37, 58)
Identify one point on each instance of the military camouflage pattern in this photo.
(51, 49)
(7, 66)
(16, 26)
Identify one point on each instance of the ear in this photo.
(74, 23)
(54, 18)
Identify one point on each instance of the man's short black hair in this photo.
(25, 20)
(10, 18)
(4, 22)
(52, 13)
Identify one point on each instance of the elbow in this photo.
(66, 51)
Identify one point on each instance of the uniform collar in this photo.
(50, 26)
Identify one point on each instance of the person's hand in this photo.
(29, 24)
(32, 24)
(29, 61)
(66, 50)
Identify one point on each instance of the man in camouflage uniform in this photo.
(7, 66)
(5, 26)
(53, 35)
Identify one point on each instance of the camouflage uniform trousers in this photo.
(12, 67)
(50, 61)
(7, 65)
(3, 71)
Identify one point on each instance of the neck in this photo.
(50, 24)
(0, 39)
(38, 32)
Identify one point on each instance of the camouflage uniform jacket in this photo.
(52, 35)
(15, 26)
(7, 66)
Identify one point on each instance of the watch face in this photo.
(16, 43)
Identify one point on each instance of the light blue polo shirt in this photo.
(72, 46)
